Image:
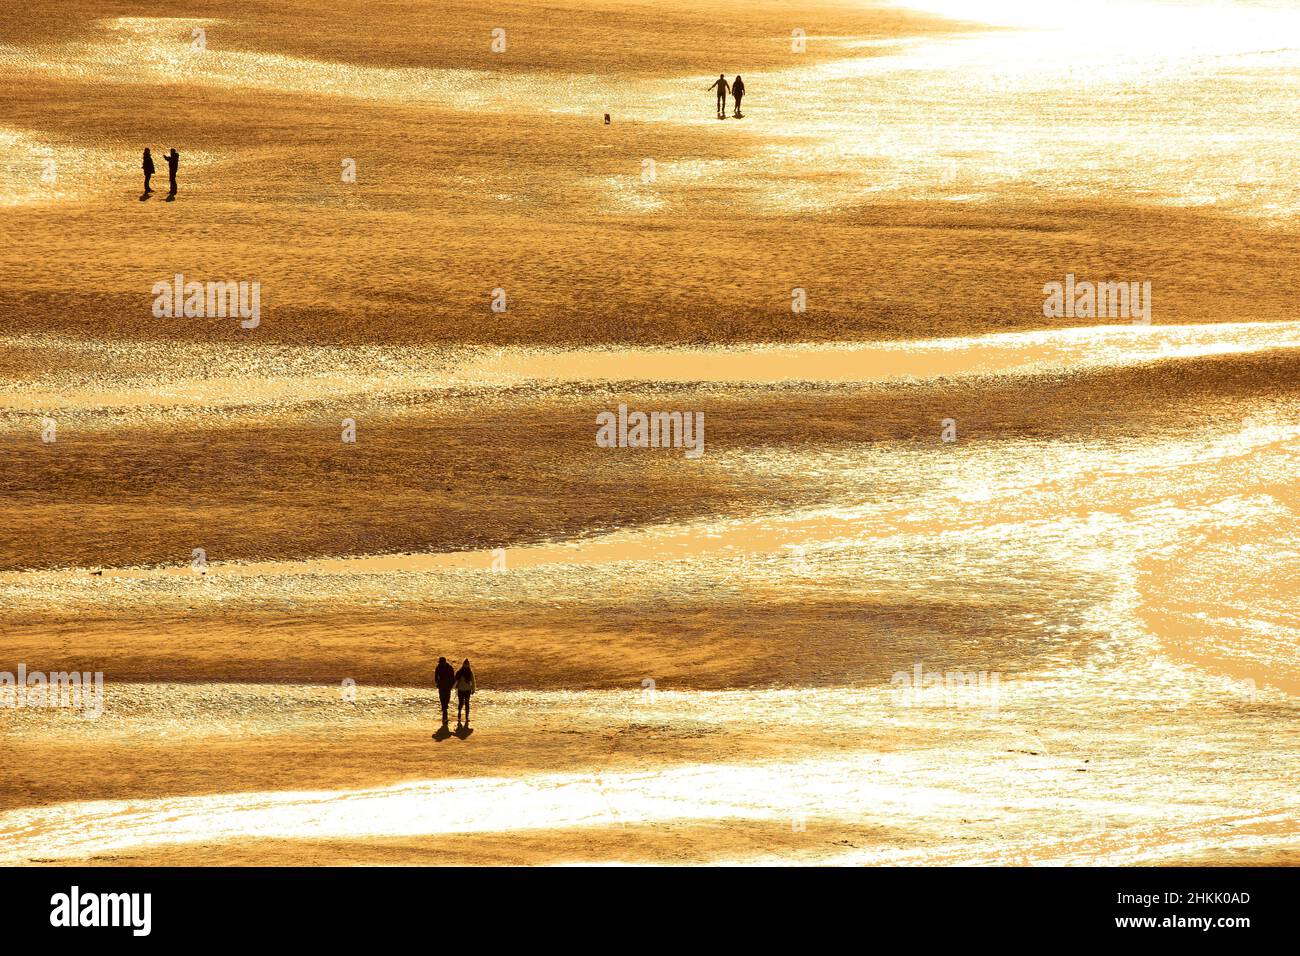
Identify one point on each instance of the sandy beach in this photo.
(952, 580)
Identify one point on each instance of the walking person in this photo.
(464, 690)
(173, 160)
(148, 166)
(444, 678)
(720, 84)
(737, 91)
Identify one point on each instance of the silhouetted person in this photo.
(173, 160)
(464, 690)
(148, 169)
(720, 84)
(737, 91)
(444, 676)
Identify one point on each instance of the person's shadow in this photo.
(442, 734)
(463, 731)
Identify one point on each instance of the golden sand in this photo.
(681, 660)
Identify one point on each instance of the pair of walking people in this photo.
(462, 680)
(737, 90)
(173, 161)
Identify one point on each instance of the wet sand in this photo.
(681, 660)
(711, 778)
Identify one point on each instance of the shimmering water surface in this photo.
(681, 659)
